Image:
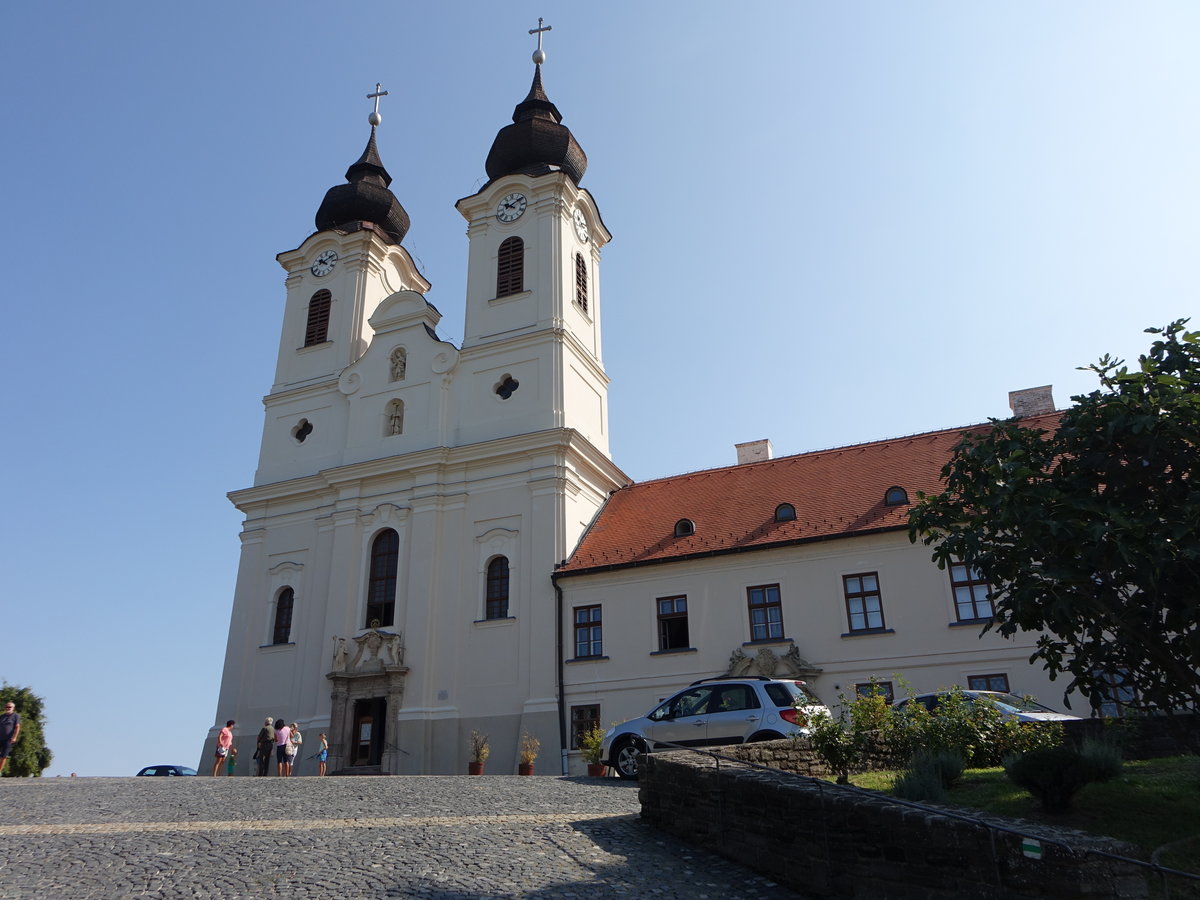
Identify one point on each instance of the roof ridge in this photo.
(823, 450)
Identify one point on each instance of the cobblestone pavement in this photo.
(437, 837)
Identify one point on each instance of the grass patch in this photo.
(1153, 803)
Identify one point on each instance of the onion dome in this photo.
(537, 141)
(365, 198)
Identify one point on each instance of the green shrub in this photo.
(1054, 775)
(948, 765)
(975, 729)
(1102, 758)
(924, 781)
(841, 749)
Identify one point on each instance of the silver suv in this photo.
(713, 712)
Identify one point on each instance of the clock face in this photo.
(324, 263)
(511, 207)
(581, 228)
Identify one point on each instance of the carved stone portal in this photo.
(368, 673)
(767, 662)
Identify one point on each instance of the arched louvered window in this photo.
(381, 586)
(685, 528)
(581, 281)
(317, 329)
(283, 616)
(497, 589)
(510, 267)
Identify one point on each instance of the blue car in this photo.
(167, 770)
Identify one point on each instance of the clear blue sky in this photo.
(833, 222)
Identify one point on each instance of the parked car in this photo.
(168, 770)
(710, 713)
(1023, 709)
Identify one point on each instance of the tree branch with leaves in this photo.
(1087, 527)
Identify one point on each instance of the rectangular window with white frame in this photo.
(589, 632)
(864, 602)
(766, 612)
(971, 594)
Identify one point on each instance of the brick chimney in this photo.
(1032, 401)
(753, 451)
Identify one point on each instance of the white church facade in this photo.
(437, 540)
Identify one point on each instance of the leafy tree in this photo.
(1090, 532)
(30, 755)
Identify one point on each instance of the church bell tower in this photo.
(533, 277)
(412, 498)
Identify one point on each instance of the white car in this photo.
(1022, 709)
(713, 712)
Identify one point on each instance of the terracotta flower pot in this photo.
(524, 768)
(474, 768)
(596, 769)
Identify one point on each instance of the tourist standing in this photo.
(295, 741)
(224, 742)
(323, 755)
(283, 736)
(266, 746)
(10, 730)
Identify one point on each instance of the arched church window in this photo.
(399, 364)
(497, 589)
(283, 616)
(317, 329)
(581, 281)
(685, 528)
(510, 267)
(395, 418)
(785, 512)
(895, 496)
(381, 586)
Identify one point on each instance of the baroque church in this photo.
(437, 540)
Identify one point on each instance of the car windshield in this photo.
(1013, 703)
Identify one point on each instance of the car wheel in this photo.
(764, 736)
(625, 757)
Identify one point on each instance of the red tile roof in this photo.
(836, 493)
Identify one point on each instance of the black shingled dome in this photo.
(537, 141)
(365, 198)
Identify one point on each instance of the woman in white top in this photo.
(295, 739)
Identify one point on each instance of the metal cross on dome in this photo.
(539, 55)
(375, 118)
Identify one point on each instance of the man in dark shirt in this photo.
(10, 730)
(265, 746)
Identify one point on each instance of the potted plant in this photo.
(589, 742)
(529, 751)
(480, 750)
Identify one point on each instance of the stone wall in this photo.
(825, 840)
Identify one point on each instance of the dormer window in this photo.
(685, 528)
(895, 496)
(785, 512)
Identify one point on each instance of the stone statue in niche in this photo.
(339, 654)
(395, 417)
(399, 364)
